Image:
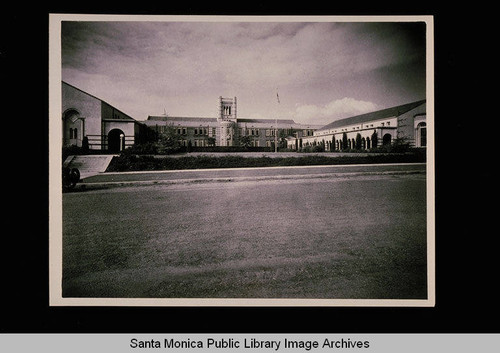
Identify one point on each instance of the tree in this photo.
(245, 141)
(85, 144)
(344, 141)
(400, 145)
(211, 141)
(282, 134)
(332, 148)
(358, 141)
(374, 139)
(168, 141)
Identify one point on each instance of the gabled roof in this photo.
(377, 115)
(123, 116)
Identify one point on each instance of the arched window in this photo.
(421, 136)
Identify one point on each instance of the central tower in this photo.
(227, 122)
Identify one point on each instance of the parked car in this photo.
(70, 177)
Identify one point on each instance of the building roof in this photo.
(380, 114)
(197, 121)
(267, 121)
(180, 118)
(123, 116)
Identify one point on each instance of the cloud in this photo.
(141, 67)
(334, 110)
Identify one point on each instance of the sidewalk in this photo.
(168, 177)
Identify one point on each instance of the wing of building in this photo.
(405, 122)
(88, 120)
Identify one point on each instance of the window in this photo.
(421, 136)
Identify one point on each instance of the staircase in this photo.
(88, 165)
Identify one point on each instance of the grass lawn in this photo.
(348, 238)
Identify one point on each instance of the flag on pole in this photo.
(278, 96)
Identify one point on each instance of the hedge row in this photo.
(127, 162)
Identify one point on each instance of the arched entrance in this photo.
(386, 140)
(116, 140)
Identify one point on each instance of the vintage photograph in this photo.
(230, 160)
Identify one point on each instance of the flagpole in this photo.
(276, 123)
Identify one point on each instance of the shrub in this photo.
(70, 150)
(142, 148)
(306, 149)
(318, 148)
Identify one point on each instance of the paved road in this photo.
(358, 236)
(243, 174)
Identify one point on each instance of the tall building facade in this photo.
(228, 129)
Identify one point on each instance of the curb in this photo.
(115, 184)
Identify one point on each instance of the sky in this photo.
(322, 71)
